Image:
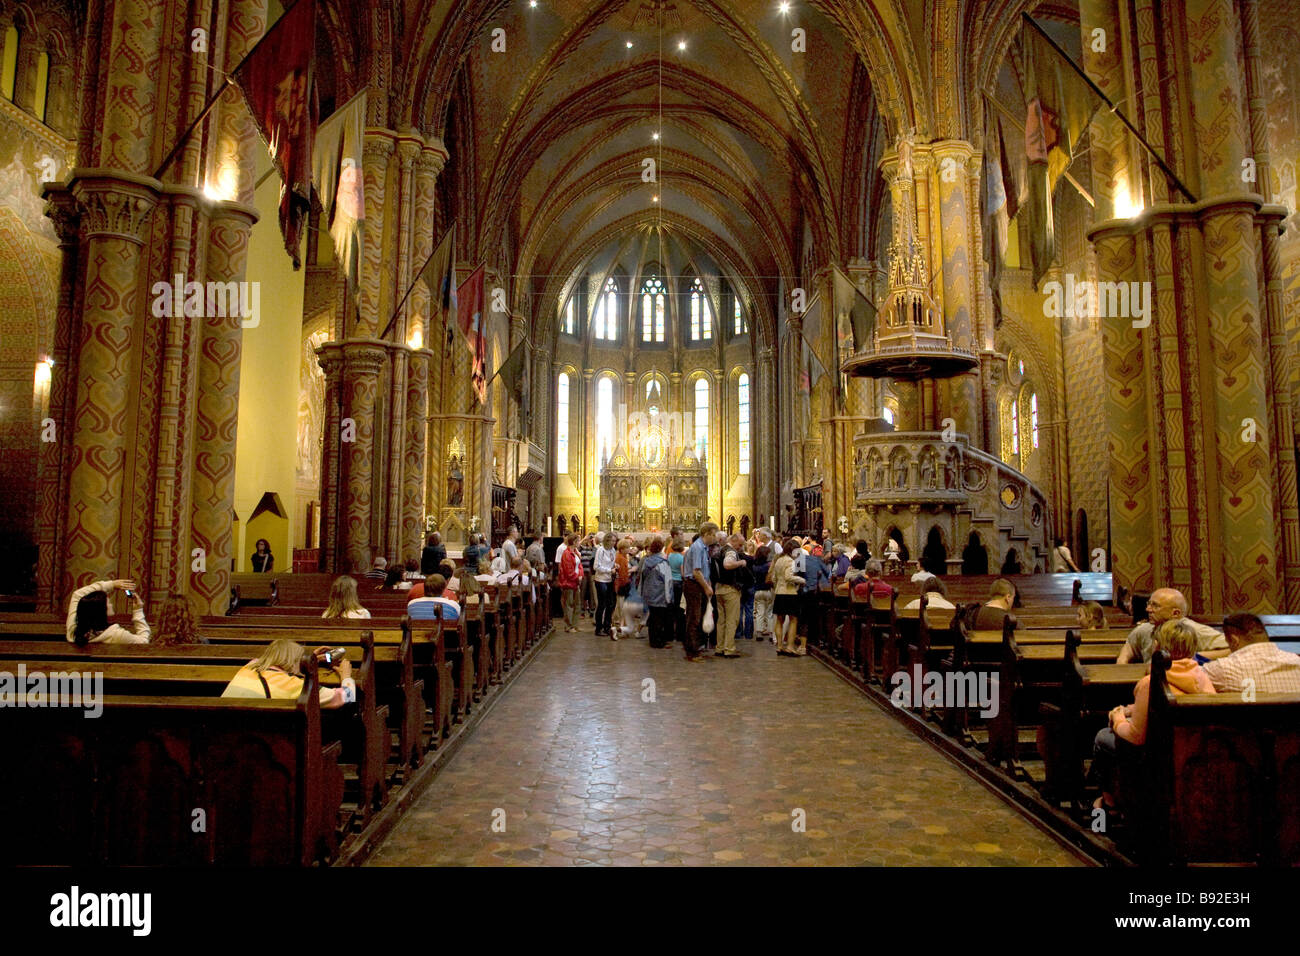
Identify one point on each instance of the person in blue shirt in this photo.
(697, 587)
(676, 557)
(815, 574)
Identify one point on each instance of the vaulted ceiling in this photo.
(768, 139)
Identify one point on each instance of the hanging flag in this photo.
(471, 318)
(276, 81)
(340, 183)
(857, 313)
(439, 275)
(514, 375)
(1058, 109)
(996, 203)
(812, 332)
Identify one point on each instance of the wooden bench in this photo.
(205, 670)
(124, 788)
(1223, 776)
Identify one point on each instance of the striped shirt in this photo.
(1273, 670)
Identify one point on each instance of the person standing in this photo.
(602, 570)
(676, 556)
(747, 593)
(731, 560)
(656, 586)
(762, 594)
(697, 589)
(785, 603)
(510, 546)
(1062, 560)
(536, 554)
(432, 555)
(587, 551)
(570, 582)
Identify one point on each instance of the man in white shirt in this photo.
(500, 565)
(936, 595)
(510, 546)
(1268, 668)
(765, 537)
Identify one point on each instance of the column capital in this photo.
(112, 206)
(379, 145)
(434, 156)
(61, 207)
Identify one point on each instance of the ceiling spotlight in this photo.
(681, 44)
(629, 44)
(654, 198)
(532, 3)
(654, 135)
(784, 7)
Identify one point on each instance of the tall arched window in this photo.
(701, 418)
(605, 324)
(742, 406)
(654, 395)
(42, 85)
(570, 317)
(1015, 427)
(701, 317)
(738, 317)
(562, 423)
(1033, 419)
(604, 421)
(9, 66)
(653, 299)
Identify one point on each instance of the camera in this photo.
(130, 593)
(332, 656)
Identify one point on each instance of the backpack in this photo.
(656, 583)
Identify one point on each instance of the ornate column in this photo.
(362, 362)
(417, 425)
(330, 356)
(589, 467)
(375, 297)
(954, 161)
(717, 464)
(55, 456)
(114, 212)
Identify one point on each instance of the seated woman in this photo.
(277, 675)
(1091, 617)
(485, 573)
(89, 608)
(392, 580)
(177, 624)
(343, 599)
(1128, 723)
(434, 605)
(936, 595)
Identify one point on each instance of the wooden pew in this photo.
(252, 590)
(205, 670)
(122, 789)
(1223, 776)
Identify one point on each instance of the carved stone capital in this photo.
(111, 208)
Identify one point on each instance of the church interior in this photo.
(316, 298)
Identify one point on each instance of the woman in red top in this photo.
(622, 579)
(570, 581)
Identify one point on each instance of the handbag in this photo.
(707, 624)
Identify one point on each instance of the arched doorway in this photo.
(974, 558)
(934, 556)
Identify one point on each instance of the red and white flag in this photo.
(471, 315)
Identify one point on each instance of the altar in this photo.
(650, 489)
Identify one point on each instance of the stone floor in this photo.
(583, 761)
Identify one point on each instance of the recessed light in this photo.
(629, 44)
(785, 8)
(654, 135)
(532, 3)
(654, 199)
(681, 45)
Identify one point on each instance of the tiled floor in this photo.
(574, 767)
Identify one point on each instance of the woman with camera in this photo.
(277, 675)
(90, 607)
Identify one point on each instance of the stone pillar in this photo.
(363, 361)
(717, 444)
(375, 296)
(417, 424)
(953, 161)
(330, 356)
(588, 466)
(113, 212)
(217, 413)
(764, 442)
(55, 456)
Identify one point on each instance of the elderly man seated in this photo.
(1166, 604)
(1255, 662)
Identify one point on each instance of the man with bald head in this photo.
(728, 573)
(1166, 604)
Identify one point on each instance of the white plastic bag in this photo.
(707, 624)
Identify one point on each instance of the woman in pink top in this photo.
(1129, 722)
